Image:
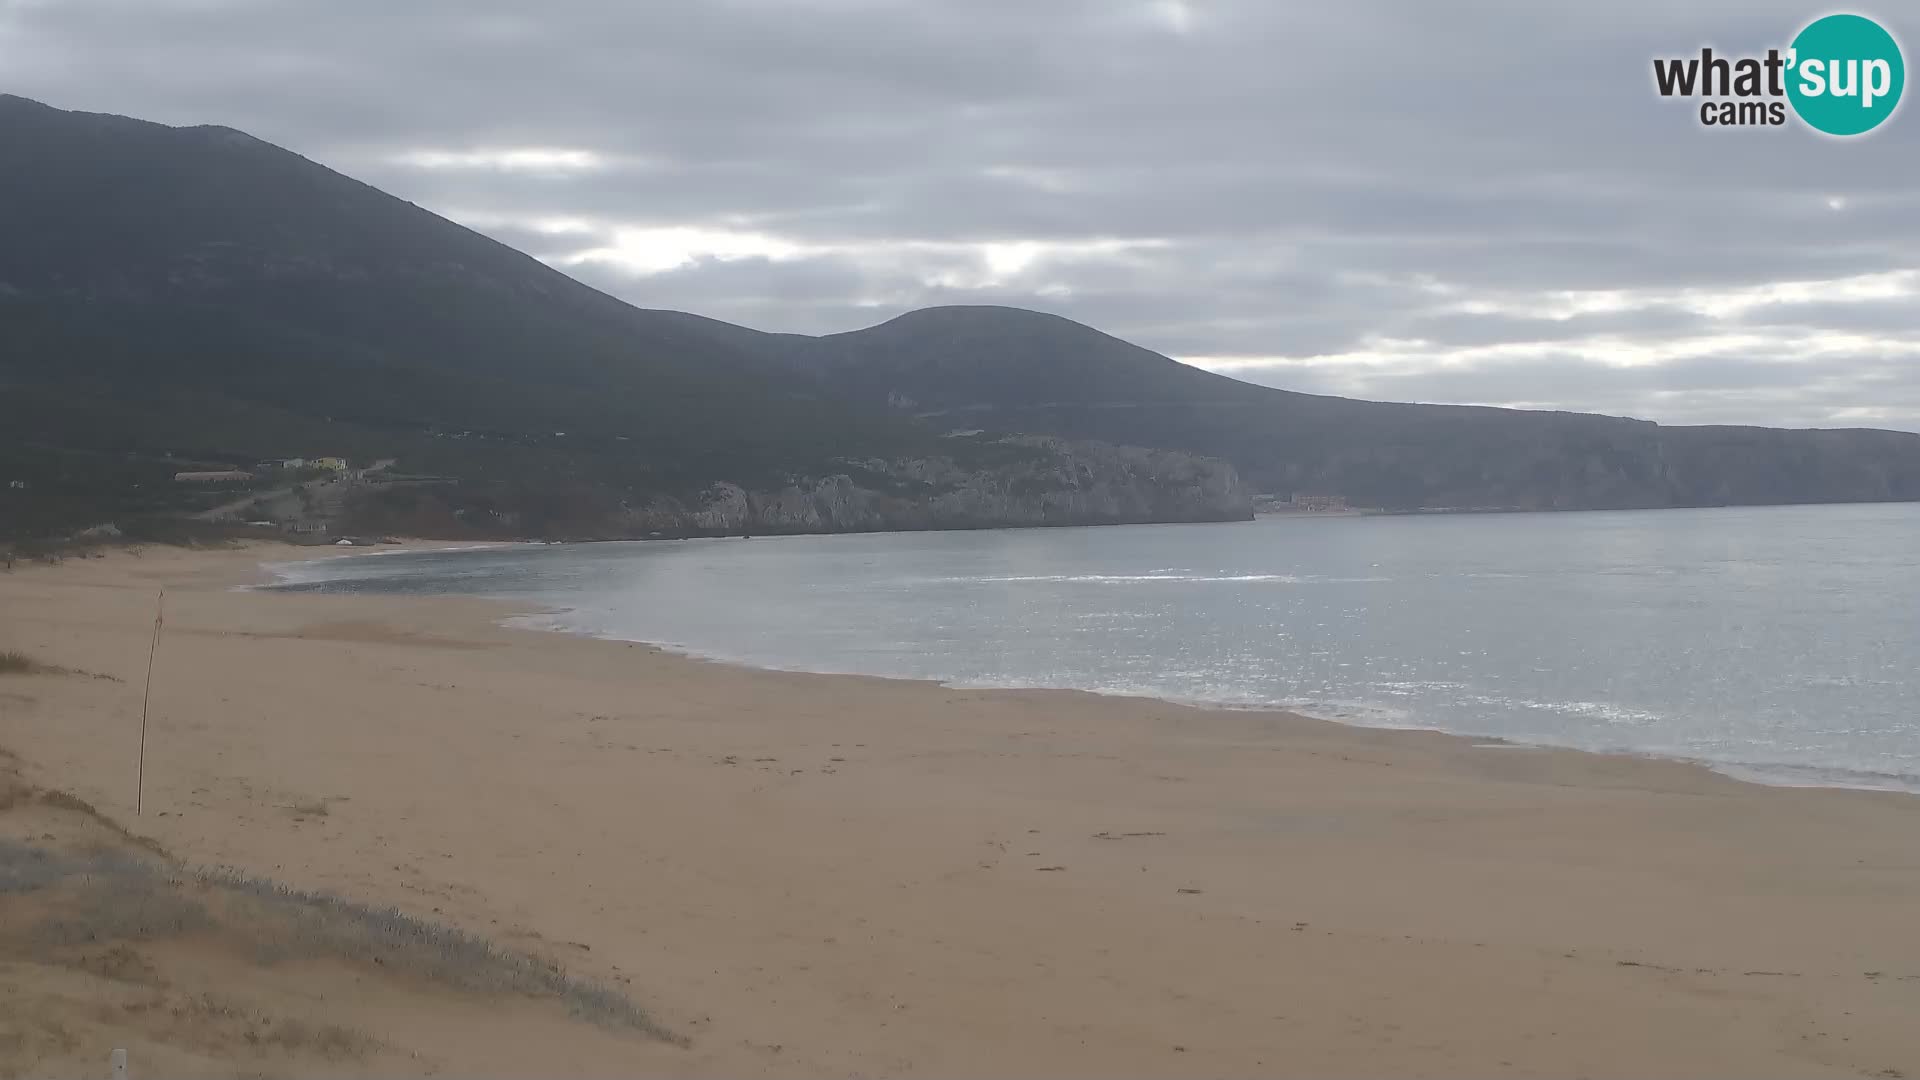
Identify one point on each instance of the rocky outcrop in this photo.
(1044, 482)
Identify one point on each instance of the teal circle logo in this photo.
(1845, 74)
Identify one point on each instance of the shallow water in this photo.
(1781, 643)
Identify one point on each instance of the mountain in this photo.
(194, 299)
(145, 260)
(957, 359)
(174, 297)
(1010, 369)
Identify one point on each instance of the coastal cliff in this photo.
(1008, 482)
(1060, 483)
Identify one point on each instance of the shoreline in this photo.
(825, 875)
(1764, 774)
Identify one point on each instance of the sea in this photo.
(1779, 644)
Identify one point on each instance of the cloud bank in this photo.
(1472, 202)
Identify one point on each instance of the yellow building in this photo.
(334, 463)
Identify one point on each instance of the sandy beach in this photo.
(805, 875)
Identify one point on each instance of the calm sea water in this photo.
(1781, 643)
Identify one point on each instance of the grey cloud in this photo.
(1898, 316)
(1301, 165)
(546, 245)
(816, 296)
(1457, 329)
(1702, 390)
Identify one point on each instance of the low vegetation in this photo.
(103, 934)
(130, 899)
(14, 662)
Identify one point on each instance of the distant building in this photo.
(333, 463)
(1318, 502)
(294, 463)
(17, 485)
(221, 476)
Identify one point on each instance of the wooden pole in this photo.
(146, 699)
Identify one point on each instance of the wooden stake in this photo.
(140, 777)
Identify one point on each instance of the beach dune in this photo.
(825, 875)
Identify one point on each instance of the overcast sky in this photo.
(1466, 202)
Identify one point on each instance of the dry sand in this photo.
(822, 875)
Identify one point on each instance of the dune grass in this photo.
(117, 897)
(132, 893)
(14, 662)
(315, 924)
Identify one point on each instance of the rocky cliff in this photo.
(1049, 482)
